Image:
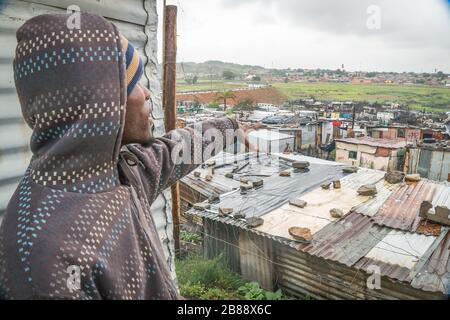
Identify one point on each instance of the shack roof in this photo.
(374, 142)
(384, 230)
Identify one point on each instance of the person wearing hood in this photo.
(79, 224)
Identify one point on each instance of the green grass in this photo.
(203, 279)
(206, 85)
(417, 97)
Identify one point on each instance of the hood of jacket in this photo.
(72, 89)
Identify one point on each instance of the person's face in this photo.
(138, 123)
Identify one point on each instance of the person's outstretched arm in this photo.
(174, 155)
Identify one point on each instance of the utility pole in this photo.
(353, 117)
(169, 101)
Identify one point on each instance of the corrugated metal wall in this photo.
(138, 21)
(304, 275)
(431, 164)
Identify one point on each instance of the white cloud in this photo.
(316, 33)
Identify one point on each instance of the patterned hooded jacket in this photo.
(83, 205)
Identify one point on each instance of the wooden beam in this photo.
(169, 102)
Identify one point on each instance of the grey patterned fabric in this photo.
(83, 205)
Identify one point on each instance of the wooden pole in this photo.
(169, 102)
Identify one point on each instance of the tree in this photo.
(256, 78)
(224, 96)
(191, 79)
(228, 75)
(246, 104)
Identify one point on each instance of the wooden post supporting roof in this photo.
(169, 102)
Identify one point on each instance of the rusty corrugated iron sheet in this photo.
(433, 275)
(441, 199)
(301, 274)
(345, 241)
(373, 205)
(401, 209)
(375, 142)
(362, 177)
(386, 269)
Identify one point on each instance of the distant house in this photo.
(430, 160)
(386, 117)
(271, 141)
(367, 152)
(269, 107)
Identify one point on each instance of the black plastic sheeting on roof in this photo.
(277, 190)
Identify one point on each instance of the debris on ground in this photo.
(208, 177)
(229, 175)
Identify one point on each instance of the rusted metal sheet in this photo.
(345, 241)
(256, 259)
(373, 142)
(441, 197)
(386, 269)
(401, 209)
(362, 177)
(399, 248)
(221, 240)
(301, 274)
(371, 206)
(434, 275)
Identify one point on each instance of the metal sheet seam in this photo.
(423, 260)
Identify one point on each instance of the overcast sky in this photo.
(370, 35)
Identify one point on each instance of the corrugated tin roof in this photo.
(401, 209)
(383, 231)
(434, 275)
(400, 248)
(345, 241)
(371, 206)
(441, 197)
(299, 157)
(276, 190)
(269, 135)
(362, 177)
(369, 141)
(316, 214)
(386, 269)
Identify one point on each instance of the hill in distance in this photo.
(216, 68)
